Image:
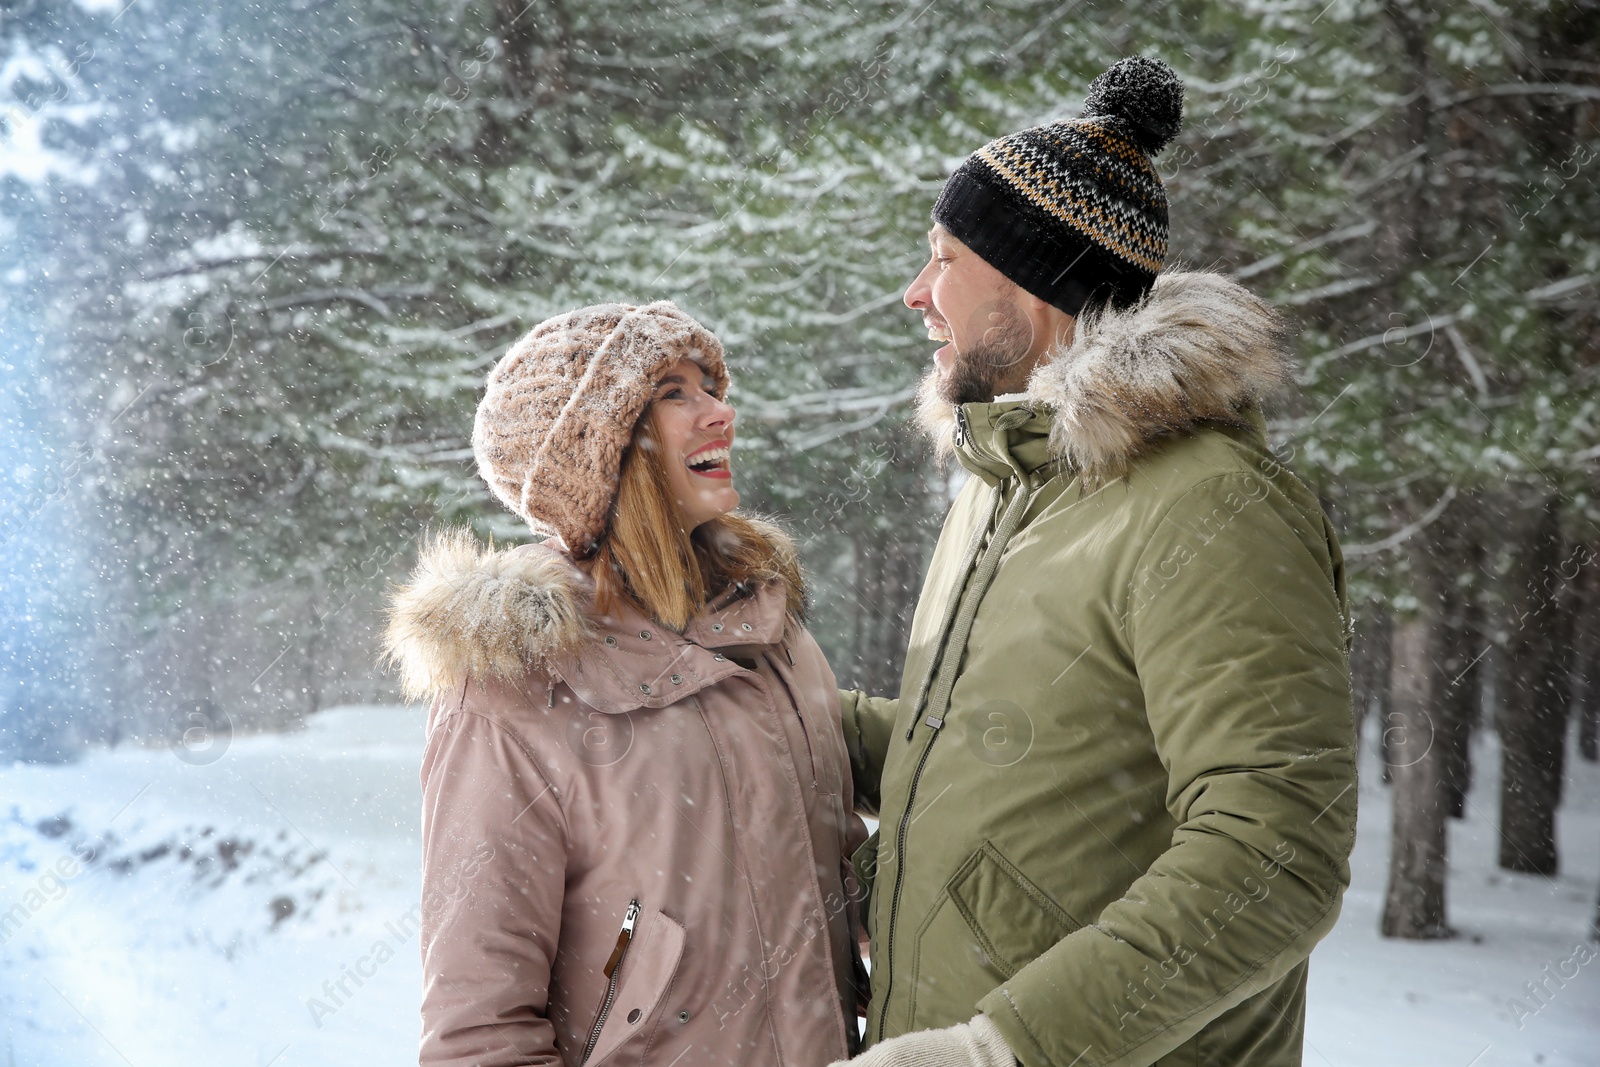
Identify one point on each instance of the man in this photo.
(1117, 790)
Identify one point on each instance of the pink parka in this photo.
(635, 843)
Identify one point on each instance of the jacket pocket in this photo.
(1013, 920)
(644, 972)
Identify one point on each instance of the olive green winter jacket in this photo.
(1117, 792)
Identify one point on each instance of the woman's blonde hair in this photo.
(648, 560)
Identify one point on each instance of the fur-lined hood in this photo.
(1200, 347)
(472, 610)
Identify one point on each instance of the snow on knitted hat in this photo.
(1073, 210)
(561, 406)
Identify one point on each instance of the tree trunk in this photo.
(1464, 648)
(1589, 712)
(1594, 927)
(888, 560)
(1369, 670)
(536, 46)
(1402, 240)
(888, 566)
(311, 681)
(1533, 715)
(1586, 672)
(1414, 906)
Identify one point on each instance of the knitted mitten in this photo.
(972, 1044)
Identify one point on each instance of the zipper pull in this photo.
(629, 918)
(933, 721)
(962, 430)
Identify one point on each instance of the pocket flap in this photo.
(646, 973)
(1014, 920)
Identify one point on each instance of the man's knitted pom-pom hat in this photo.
(561, 406)
(1073, 211)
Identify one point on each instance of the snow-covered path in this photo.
(206, 931)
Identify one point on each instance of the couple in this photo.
(1115, 792)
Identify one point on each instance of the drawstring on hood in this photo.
(967, 607)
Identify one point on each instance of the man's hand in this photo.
(973, 1044)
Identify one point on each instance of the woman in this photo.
(636, 822)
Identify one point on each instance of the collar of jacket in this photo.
(997, 440)
(1199, 348)
(632, 663)
(476, 611)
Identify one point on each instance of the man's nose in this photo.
(918, 293)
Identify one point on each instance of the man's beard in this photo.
(994, 361)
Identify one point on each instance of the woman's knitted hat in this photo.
(561, 405)
(1074, 211)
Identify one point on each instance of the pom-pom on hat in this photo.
(560, 408)
(1073, 211)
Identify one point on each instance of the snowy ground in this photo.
(171, 961)
(1378, 1002)
(225, 903)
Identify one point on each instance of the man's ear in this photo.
(1031, 302)
(1059, 327)
(1067, 330)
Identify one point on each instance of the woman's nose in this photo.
(718, 413)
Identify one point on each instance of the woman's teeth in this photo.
(710, 460)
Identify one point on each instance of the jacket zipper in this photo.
(613, 974)
(935, 723)
(900, 865)
(810, 755)
(962, 430)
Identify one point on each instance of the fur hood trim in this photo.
(1200, 347)
(476, 610)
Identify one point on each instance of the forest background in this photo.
(257, 258)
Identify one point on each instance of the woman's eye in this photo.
(672, 394)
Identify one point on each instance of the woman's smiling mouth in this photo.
(712, 461)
